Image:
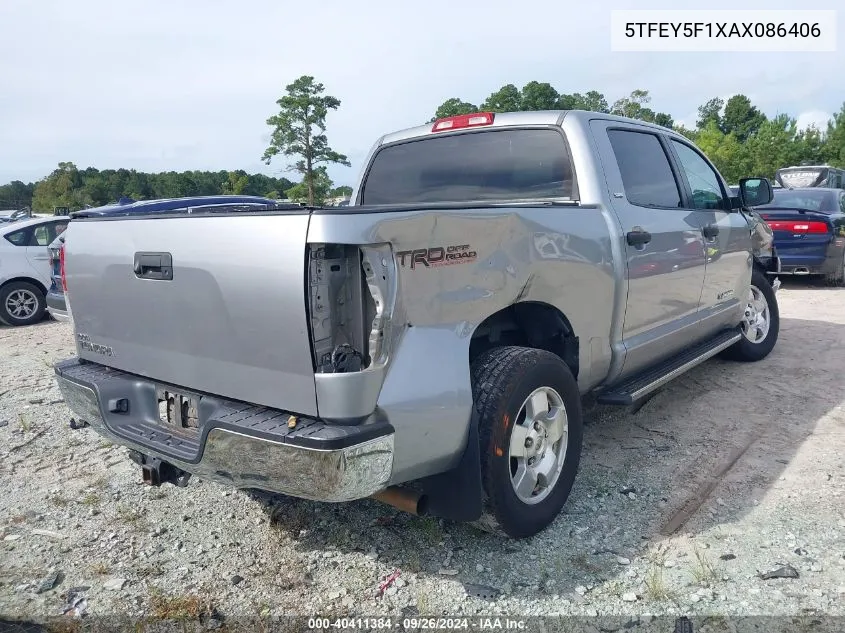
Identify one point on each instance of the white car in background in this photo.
(25, 273)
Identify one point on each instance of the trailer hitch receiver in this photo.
(156, 472)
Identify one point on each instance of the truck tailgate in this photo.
(231, 321)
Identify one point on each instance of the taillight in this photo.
(62, 267)
(797, 226)
(463, 121)
(350, 301)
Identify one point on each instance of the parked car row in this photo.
(31, 252)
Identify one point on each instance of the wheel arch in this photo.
(30, 280)
(534, 324)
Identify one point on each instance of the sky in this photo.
(164, 85)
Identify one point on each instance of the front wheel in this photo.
(530, 430)
(760, 323)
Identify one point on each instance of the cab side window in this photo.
(646, 173)
(41, 235)
(703, 182)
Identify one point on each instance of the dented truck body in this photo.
(326, 353)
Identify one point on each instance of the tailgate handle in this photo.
(154, 266)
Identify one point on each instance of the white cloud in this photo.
(163, 85)
(817, 118)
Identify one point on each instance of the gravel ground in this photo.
(730, 472)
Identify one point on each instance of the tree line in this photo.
(739, 138)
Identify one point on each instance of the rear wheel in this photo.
(21, 303)
(837, 276)
(530, 430)
(760, 323)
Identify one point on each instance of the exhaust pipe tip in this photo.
(403, 499)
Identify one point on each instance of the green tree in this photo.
(62, 188)
(592, 101)
(299, 130)
(16, 195)
(633, 107)
(810, 146)
(773, 146)
(453, 107)
(710, 111)
(539, 96)
(317, 192)
(236, 182)
(741, 118)
(505, 99)
(731, 158)
(343, 190)
(834, 142)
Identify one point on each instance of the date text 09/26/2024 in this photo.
(417, 624)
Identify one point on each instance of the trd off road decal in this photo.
(437, 256)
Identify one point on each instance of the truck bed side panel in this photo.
(554, 255)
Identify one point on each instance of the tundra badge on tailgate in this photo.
(86, 344)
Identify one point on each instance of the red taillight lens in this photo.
(463, 121)
(62, 267)
(799, 227)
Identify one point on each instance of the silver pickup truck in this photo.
(430, 344)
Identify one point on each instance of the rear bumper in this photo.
(235, 443)
(57, 307)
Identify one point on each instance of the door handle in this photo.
(638, 237)
(157, 266)
(710, 231)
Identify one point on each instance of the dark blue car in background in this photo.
(809, 228)
(56, 303)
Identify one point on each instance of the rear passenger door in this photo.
(37, 252)
(727, 239)
(661, 240)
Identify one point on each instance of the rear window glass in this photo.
(491, 165)
(823, 201)
(19, 238)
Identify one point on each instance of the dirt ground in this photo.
(680, 508)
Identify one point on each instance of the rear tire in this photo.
(22, 303)
(760, 324)
(837, 276)
(527, 474)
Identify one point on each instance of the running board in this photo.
(636, 387)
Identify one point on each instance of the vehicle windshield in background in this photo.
(822, 201)
(502, 165)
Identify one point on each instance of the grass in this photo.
(702, 569)
(429, 528)
(90, 499)
(655, 584)
(412, 562)
(582, 563)
(151, 571)
(129, 515)
(24, 423)
(58, 500)
(187, 607)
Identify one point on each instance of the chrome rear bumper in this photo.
(247, 461)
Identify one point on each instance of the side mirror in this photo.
(754, 192)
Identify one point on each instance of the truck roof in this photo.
(513, 119)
